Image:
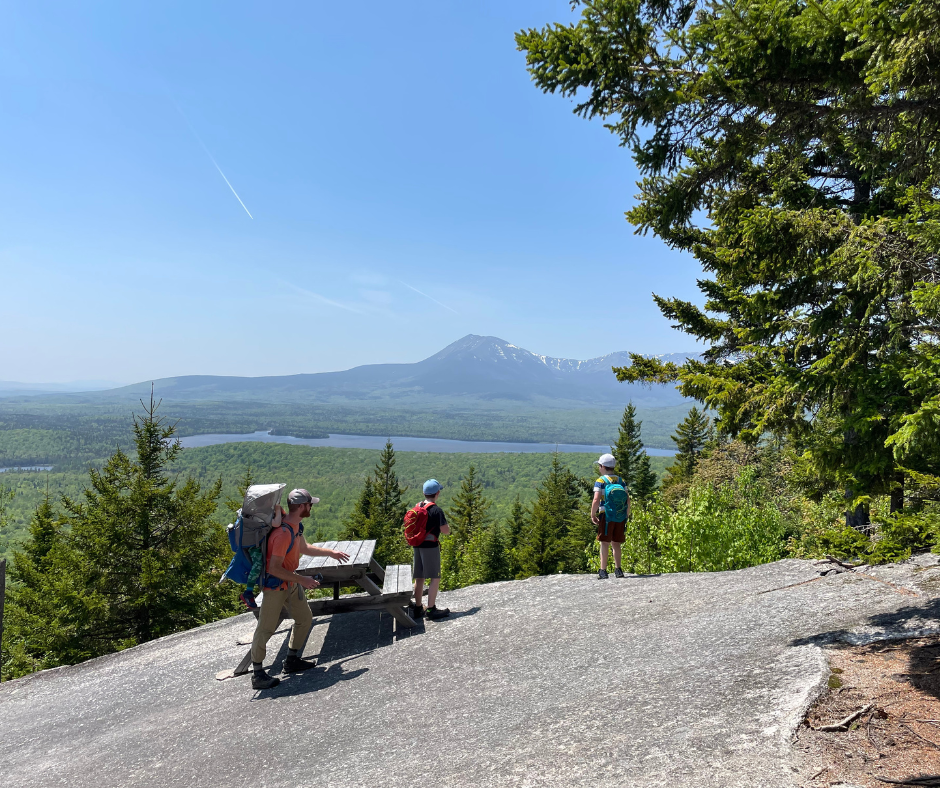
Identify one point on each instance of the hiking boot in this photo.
(297, 664)
(618, 572)
(436, 612)
(602, 575)
(262, 681)
(248, 598)
(419, 611)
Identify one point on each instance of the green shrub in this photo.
(715, 528)
(905, 533)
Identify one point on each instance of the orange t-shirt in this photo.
(278, 542)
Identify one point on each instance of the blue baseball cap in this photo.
(432, 487)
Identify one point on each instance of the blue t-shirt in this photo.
(602, 482)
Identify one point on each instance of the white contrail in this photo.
(212, 158)
(429, 297)
(229, 185)
(317, 296)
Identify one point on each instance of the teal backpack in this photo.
(615, 499)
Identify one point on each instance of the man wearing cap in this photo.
(608, 533)
(285, 546)
(427, 556)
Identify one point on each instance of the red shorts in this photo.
(609, 532)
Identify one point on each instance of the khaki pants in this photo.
(270, 616)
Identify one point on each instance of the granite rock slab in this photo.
(678, 680)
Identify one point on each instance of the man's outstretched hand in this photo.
(339, 556)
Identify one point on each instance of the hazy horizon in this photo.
(97, 385)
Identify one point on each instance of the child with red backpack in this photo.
(424, 525)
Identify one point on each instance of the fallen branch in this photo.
(922, 738)
(926, 780)
(831, 559)
(842, 725)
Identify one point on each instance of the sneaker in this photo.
(618, 572)
(419, 611)
(248, 597)
(262, 681)
(297, 664)
(602, 575)
(436, 612)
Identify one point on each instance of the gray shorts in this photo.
(427, 563)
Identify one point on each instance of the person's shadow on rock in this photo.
(313, 680)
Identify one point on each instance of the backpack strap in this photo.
(263, 579)
(292, 535)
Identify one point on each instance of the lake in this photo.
(406, 444)
(28, 468)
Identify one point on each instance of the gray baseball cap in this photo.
(300, 495)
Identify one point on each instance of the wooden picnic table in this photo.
(393, 596)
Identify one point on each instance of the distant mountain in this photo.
(15, 388)
(472, 369)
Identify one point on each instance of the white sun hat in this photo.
(607, 461)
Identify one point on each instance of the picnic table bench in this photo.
(362, 570)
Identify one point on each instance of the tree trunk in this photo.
(858, 518)
(897, 493)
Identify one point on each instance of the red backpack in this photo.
(416, 524)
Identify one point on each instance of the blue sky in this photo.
(378, 148)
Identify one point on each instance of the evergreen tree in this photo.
(6, 496)
(388, 492)
(469, 515)
(142, 547)
(644, 481)
(552, 541)
(469, 511)
(359, 523)
(802, 174)
(33, 627)
(629, 446)
(136, 557)
(692, 434)
(633, 463)
(379, 512)
(515, 525)
(486, 559)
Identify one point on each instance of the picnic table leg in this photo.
(242, 668)
(400, 614)
(368, 585)
(376, 568)
(336, 590)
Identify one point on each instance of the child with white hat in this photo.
(609, 512)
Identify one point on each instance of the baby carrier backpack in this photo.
(251, 528)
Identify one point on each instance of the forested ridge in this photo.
(72, 436)
(334, 475)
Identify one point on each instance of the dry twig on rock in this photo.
(842, 725)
